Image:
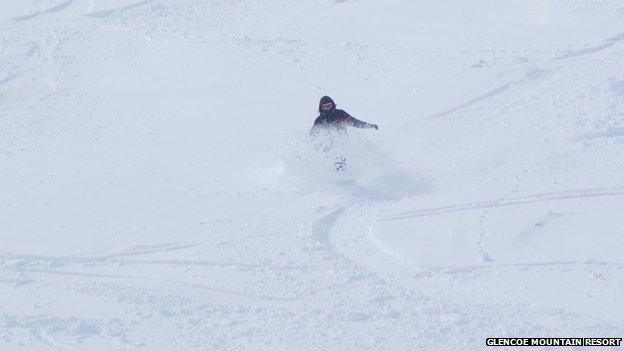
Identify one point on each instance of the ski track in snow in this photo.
(494, 266)
(117, 10)
(503, 202)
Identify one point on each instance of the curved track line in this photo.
(60, 261)
(135, 277)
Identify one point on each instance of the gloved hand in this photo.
(374, 126)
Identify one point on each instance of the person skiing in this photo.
(333, 119)
(333, 122)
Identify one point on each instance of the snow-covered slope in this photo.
(158, 190)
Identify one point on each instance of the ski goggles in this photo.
(327, 106)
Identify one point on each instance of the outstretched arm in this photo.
(354, 122)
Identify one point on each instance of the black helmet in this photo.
(325, 100)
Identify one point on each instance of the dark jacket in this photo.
(335, 119)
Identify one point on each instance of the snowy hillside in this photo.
(159, 191)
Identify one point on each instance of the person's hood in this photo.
(324, 100)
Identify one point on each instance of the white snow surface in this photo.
(158, 189)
